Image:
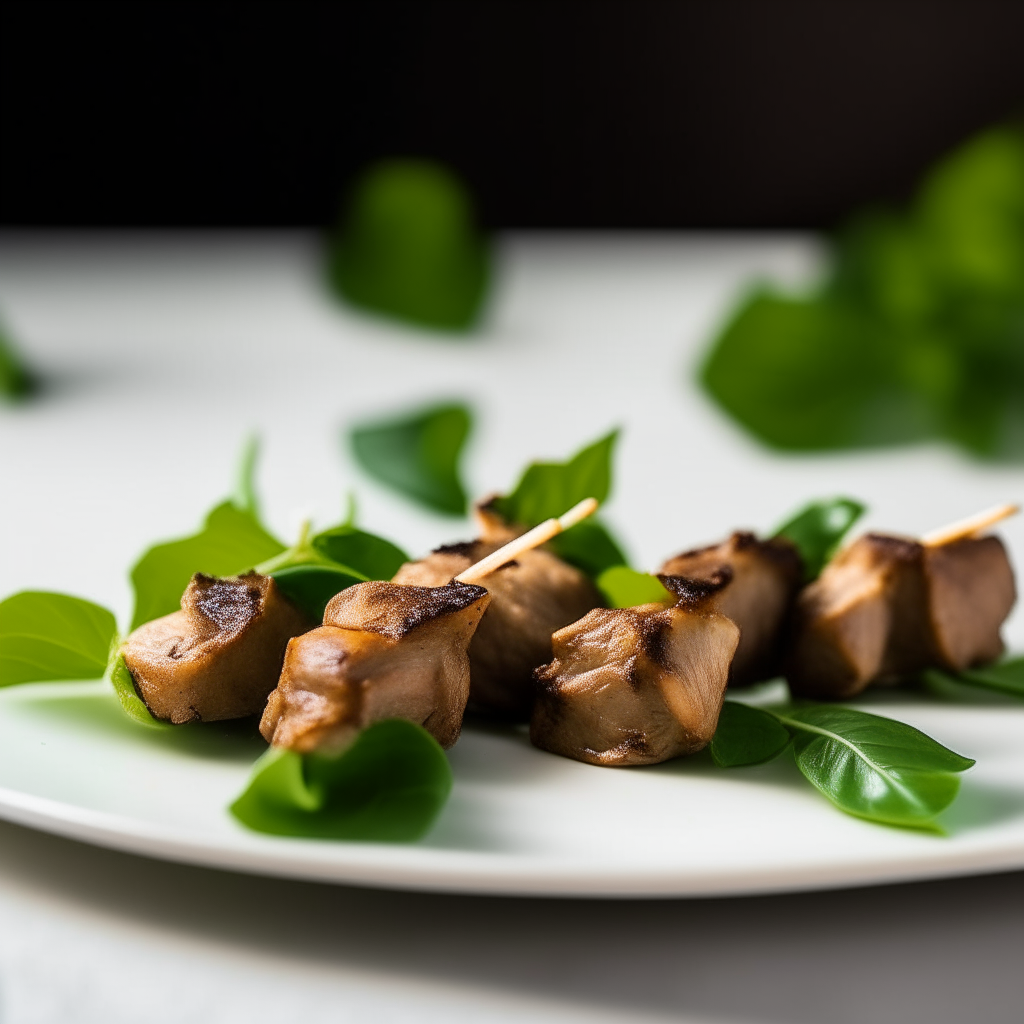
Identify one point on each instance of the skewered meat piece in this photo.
(220, 655)
(384, 651)
(764, 577)
(640, 685)
(890, 606)
(531, 598)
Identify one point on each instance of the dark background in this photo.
(727, 114)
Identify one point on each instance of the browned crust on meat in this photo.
(632, 686)
(376, 658)
(219, 656)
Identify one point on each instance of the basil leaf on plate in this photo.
(311, 587)
(623, 587)
(49, 636)
(388, 786)
(873, 767)
(818, 529)
(747, 735)
(372, 556)
(409, 247)
(231, 541)
(1003, 677)
(588, 546)
(547, 489)
(418, 455)
(131, 703)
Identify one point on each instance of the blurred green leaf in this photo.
(1003, 677)
(48, 636)
(548, 489)
(623, 587)
(15, 380)
(418, 455)
(388, 786)
(818, 529)
(245, 496)
(409, 247)
(917, 333)
(588, 546)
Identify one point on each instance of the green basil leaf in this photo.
(245, 496)
(547, 489)
(818, 529)
(388, 786)
(15, 380)
(409, 247)
(418, 455)
(795, 372)
(374, 557)
(747, 735)
(310, 587)
(873, 767)
(1004, 677)
(128, 696)
(47, 636)
(916, 332)
(231, 541)
(623, 587)
(589, 546)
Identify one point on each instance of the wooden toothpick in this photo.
(970, 526)
(537, 536)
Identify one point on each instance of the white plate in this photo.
(166, 351)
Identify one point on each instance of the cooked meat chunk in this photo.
(384, 651)
(632, 686)
(765, 578)
(531, 597)
(889, 606)
(220, 655)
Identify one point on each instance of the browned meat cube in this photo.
(384, 651)
(631, 686)
(889, 606)
(531, 597)
(220, 655)
(765, 578)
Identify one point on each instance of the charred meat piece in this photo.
(531, 598)
(889, 606)
(765, 578)
(384, 651)
(220, 655)
(640, 685)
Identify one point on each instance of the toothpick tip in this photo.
(971, 526)
(579, 512)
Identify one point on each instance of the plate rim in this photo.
(379, 866)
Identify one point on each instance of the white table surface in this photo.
(138, 335)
